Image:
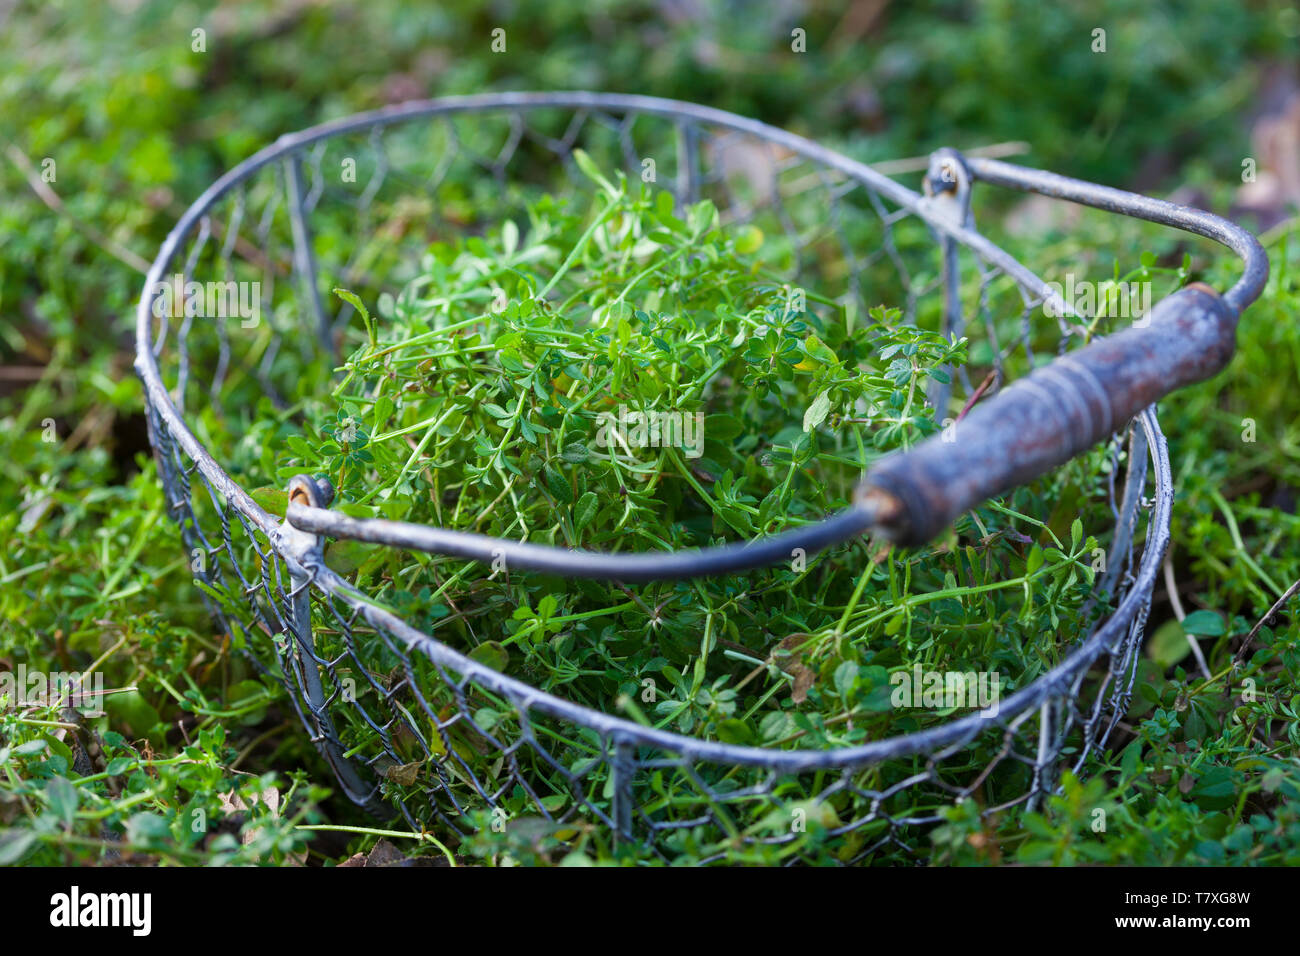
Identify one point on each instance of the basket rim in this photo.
(1107, 637)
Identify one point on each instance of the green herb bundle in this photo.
(613, 373)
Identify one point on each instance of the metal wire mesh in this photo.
(379, 696)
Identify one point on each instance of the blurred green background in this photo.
(133, 123)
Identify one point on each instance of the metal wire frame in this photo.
(292, 574)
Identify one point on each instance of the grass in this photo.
(1206, 770)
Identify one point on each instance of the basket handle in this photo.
(1032, 426)
(1046, 418)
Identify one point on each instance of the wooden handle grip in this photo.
(1046, 418)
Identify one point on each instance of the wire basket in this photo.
(542, 765)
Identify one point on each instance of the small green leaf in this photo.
(820, 351)
(273, 500)
(253, 700)
(817, 411)
(1204, 623)
(355, 302)
(64, 798)
(589, 169)
(558, 485)
(547, 606)
(749, 239)
(1168, 645)
(702, 216)
(345, 556)
(576, 453)
(14, 845)
(1216, 789)
(147, 828)
(585, 510)
(1131, 762)
(735, 731)
(722, 427)
(491, 654)
(846, 675)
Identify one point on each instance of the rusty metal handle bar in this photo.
(1187, 218)
(1034, 425)
(631, 567)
